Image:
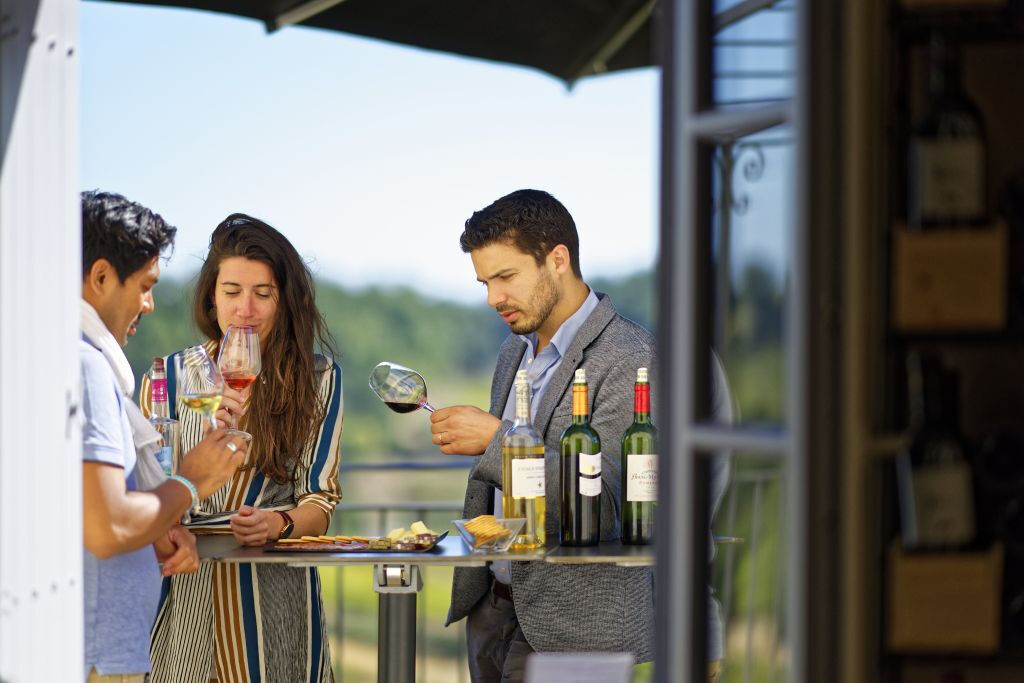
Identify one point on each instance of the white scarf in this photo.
(148, 473)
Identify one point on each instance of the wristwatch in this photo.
(289, 525)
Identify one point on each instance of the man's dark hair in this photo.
(531, 220)
(121, 231)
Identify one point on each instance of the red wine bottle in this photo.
(947, 164)
(934, 477)
(639, 468)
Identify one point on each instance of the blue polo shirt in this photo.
(121, 593)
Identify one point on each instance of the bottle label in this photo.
(590, 463)
(528, 478)
(641, 477)
(165, 456)
(159, 391)
(590, 486)
(950, 177)
(943, 504)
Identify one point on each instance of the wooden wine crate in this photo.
(944, 602)
(950, 280)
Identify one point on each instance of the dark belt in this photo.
(502, 590)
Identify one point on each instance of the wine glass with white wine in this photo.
(402, 389)
(200, 384)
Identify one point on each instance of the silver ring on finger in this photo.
(232, 447)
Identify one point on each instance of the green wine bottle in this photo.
(581, 472)
(639, 468)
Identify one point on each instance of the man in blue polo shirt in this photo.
(121, 246)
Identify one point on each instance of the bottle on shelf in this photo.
(947, 154)
(936, 491)
(522, 472)
(581, 472)
(639, 468)
(160, 415)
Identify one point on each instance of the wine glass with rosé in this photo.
(239, 360)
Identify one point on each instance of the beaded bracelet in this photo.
(190, 486)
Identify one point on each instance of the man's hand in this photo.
(176, 550)
(253, 526)
(232, 407)
(463, 430)
(212, 462)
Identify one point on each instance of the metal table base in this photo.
(397, 581)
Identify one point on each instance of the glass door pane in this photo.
(752, 190)
(749, 572)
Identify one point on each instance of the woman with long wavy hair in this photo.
(245, 622)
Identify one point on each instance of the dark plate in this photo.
(358, 547)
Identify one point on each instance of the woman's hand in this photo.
(232, 407)
(253, 526)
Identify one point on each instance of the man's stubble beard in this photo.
(543, 300)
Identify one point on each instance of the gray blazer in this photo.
(572, 607)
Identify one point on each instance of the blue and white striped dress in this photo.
(249, 623)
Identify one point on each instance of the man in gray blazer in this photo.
(525, 250)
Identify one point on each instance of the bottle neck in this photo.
(523, 404)
(642, 402)
(945, 70)
(580, 404)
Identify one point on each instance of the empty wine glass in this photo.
(200, 384)
(403, 390)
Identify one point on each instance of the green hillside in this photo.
(453, 345)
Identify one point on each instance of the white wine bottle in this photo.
(160, 416)
(522, 472)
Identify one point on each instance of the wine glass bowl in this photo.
(239, 356)
(400, 388)
(199, 381)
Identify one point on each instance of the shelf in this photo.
(997, 338)
(1003, 656)
(969, 25)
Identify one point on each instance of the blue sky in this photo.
(368, 155)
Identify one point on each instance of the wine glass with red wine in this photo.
(239, 360)
(403, 390)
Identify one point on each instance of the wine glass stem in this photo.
(427, 407)
(213, 421)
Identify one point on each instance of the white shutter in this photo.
(40, 285)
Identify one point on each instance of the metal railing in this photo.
(382, 513)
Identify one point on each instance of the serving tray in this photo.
(349, 547)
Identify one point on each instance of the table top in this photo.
(451, 551)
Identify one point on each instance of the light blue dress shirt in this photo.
(540, 368)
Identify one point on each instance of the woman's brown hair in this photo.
(284, 409)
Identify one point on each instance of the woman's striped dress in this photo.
(247, 623)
